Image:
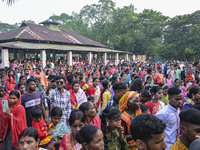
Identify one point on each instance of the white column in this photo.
(134, 58)
(110, 56)
(43, 57)
(126, 57)
(90, 57)
(105, 58)
(5, 57)
(69, 58)
(116, 58)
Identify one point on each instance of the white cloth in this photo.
(81, 97)
(170, 116)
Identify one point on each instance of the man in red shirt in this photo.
(68, 84)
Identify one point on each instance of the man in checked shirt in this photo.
(60, 97)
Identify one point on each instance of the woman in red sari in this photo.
(10, 80)
(77, 95)
(95, 91)
(12, 122)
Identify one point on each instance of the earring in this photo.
(107, 123)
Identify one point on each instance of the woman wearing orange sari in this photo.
(189, 80)
(129, 105)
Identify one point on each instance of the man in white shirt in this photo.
(170, 115)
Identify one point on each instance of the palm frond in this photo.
(9, 2)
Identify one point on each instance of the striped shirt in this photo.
(61, 100)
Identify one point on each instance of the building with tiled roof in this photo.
(48, 39)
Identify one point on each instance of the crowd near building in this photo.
(63, 91)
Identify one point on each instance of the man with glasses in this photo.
(60, 97)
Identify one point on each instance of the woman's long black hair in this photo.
(111, 113)
(9, 76)
(105, 86)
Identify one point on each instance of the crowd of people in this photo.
(98, 106)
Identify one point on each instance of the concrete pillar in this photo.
(96, 56)
(90, 57)
(21, 54)
(116, 58)
(69, 58)
(134, 58)
(105, 58)
(43, 57)
(5, 57)
(126, 57)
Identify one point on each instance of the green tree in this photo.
(5, 27)
(181, 37)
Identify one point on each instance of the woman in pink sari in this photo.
(95, 91)
(77, 95)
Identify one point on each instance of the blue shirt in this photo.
(128, 78)
(170, 116)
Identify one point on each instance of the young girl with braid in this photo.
(112, 131)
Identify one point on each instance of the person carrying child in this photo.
(42, 128)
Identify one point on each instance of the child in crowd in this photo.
(59, 128)
(165, 98)
(168, 81)
(2, 81)
(145, 97)
(148, 84)
(76, 122)
(145, 109)
(112, 130)
(183, 86)
(40, 87)
(42, 128)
